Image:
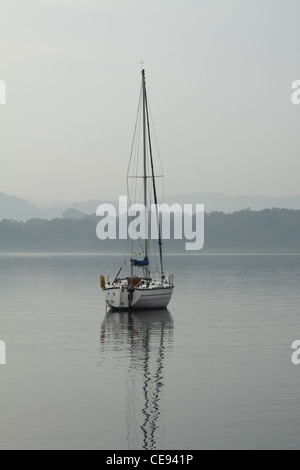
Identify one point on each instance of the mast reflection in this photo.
(144, 338)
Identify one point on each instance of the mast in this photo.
(145, 160)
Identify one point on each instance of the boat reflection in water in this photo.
(144, 338)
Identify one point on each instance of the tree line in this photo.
(269, 230)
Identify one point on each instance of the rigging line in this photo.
(156, 141)
(135, 143)
(145, 172)
(139, 239)
(154, 187)
(130, 191)
(135, 129)
(158, 151)
(137, 154)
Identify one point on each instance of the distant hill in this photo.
(221, 203)
(12, 207)
(74, 214)
(15, 208)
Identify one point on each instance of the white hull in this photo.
(152, 298)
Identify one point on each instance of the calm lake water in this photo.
(214, 371)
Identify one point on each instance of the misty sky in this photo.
(219, 75)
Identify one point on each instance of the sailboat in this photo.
(143, 287)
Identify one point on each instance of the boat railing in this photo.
(168, 278)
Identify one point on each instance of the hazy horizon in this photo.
(219, 76)
(44, 203)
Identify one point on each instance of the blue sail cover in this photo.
(145, 262)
